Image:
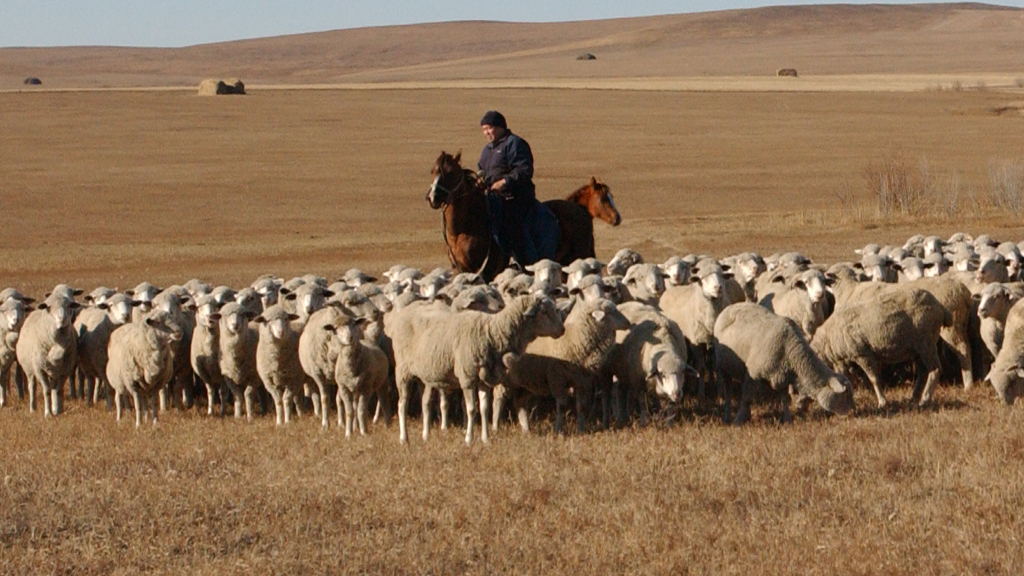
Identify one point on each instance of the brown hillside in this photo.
(832, 39)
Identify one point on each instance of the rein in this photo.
(444, 223)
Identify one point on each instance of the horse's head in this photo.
(449, 177)
(601, 204)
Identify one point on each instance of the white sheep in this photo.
(677, 271)
(551, 366)
(180, 390)
(446, 350)
(622, 261)
(141, 361)
(238, 343)
(47, 350)
(277, 359)
(318, 359)
(649, 357)
(994, 303)
(361, 370)
(204, 352)
(12, 317)
(93, 327)
(898, 326)
(753, 346)
(645, 282)
(143, 294)
(304, 300)
(1007, 373)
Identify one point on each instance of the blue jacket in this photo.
(509, 158)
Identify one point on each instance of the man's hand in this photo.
(498, 186)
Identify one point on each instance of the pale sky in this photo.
(174, 23)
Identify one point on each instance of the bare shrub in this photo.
(896, 185)
(1006, 189)
(1020, 82)
(957, 86)
(981, 86)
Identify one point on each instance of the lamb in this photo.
(645, 282)
(573, 360)
(93, 327)
(47, 350)
(443, 349)
(204, 352)
(238, 343)
(141, 361)
(898, 326)
(361, 370)
(277, 359)
(649, 357)
(753, 346)
(12, 316)
(1007, 373)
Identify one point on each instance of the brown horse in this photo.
(575, 220)
(463, 200)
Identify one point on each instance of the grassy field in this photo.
(118, 187)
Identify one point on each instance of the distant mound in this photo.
(814, 39)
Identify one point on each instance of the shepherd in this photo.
(523, 227)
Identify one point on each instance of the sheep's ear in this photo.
(283, 290)
(444, 297)
(289, 295)
(129, 293)
(778, 280)
(26, 300)
(328, 294)
(103, 306)
(89, 298)
(260, 319)
(598, 314)
(928, 265)
(800, 284)
(215, 316)
(47, 295)
(829, 280)
(593, 181)
(976, 297)
(694, 279)
(726, 267)
(458, 157)
(361, 321)
(727, 275)
(653, 370)
(329, 328)
(77, 291)
(74, 306)
(151, 321)
(293, 317)
(44, 306)
(576, 290)
(896, 266)
(135, 302)
(858, 265)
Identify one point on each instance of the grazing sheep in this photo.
(12, 316)
(277, 359)
(447, 350)
(204, 352)
(238, 343)
(361, 370)
(141, 361)
(754, 346)
(93, 327)
(897, 326)
(956, 299)
(551, 366)
(649, 358)
(1007, 373)
(622, 261)
(47, 350)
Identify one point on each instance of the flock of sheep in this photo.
(634, 335)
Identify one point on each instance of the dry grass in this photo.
(904, 492)
(115, 188)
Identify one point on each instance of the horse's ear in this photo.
(458, 157)
(593, 181)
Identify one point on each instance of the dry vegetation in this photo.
(118, 187)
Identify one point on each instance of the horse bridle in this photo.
(444, 219)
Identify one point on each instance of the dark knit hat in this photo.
(493, 118)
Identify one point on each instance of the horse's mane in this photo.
(593, 185)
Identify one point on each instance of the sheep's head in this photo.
(676, 271)
(991, 268)
(233, 319)
(875, 267)
(837, 395)
(544, 316)
(812, 282)
(605, 312)
(60, 309)
(119, 308)
(711, 278)
(748, 267)
(308, 298)
(12, 314)
(645, 280)
(912, 268)
(275, 322)
(994, 301)
(1008, 382)
(623, 260)
(163, 323)
(667, 372)
(347, 330)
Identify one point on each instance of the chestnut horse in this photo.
(575, 220)
(463, 202)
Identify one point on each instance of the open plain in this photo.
(114, 187)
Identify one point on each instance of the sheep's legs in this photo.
(89, 392)
(48, 407)
(345, 399)
(152, 405)
(499, 403)
(469, 395)
(784, 401)
(278, 404)
(118, 401)
(484, 396)
(5, 377)
(442, 407)
(137, 400)
(57, 404)
(869, 371)
(746, 397)
(321, 405)
(361, 412)
(425, 406)
(403, 405)
(962, 349)
(288, 400)
(560, 403)
(250, 400)
(927, 374)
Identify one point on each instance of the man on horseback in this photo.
(523, 227)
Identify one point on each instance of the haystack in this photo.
(214, 87)
(587, 56)
(786, 72)
(33, 81)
